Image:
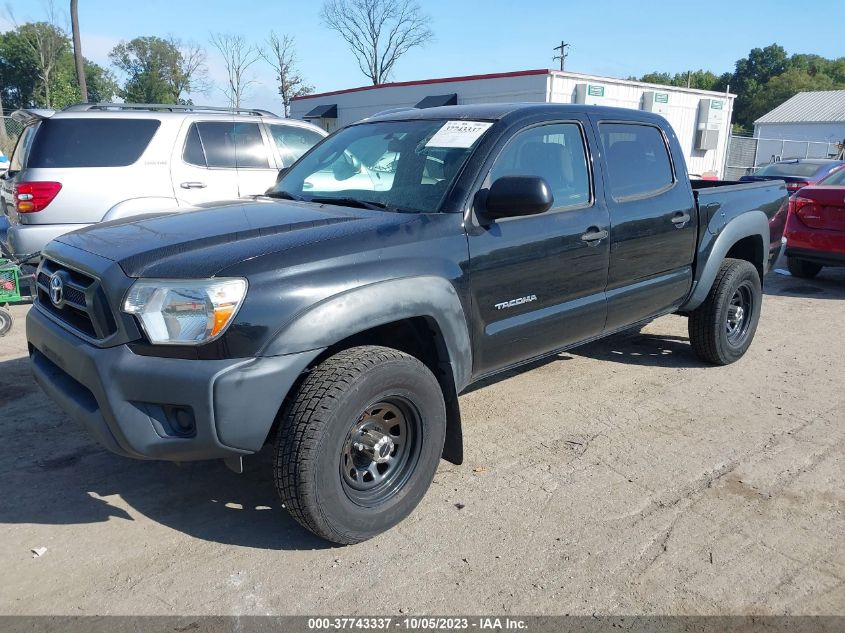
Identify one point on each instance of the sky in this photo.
(616, 38)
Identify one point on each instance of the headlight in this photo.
(186, 312)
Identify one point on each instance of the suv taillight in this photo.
(32, 197)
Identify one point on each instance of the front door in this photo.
(538, 281)
(653, 224)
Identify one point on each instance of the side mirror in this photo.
(511, 196)
(281, 174)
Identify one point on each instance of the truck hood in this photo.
(203, 242)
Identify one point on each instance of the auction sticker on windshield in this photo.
(458, 134)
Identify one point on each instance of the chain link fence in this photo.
(10, 130)
(745, 153)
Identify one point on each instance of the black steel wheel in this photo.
(359, 443)
(380, 451)
(721, 329)
(739, 313)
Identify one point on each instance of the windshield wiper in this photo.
(352, 202)
(284, 195)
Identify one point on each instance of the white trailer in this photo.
(700, 118)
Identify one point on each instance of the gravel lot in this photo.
(623, 477)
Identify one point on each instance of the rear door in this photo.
(538, 281)
(653, 226)
(204, 163)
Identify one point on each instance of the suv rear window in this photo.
(90, 142)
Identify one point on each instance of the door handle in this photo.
(593, 235)
(680, 218)
(194, 184)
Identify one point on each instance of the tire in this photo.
(719, 333)
(802, 268)
(5, 321)
(360, 395)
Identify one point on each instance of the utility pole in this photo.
(77, 51)
(563, 54)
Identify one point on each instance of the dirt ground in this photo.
(623, 477)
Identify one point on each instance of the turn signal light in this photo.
(32, 197)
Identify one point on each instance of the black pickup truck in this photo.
(403, 258)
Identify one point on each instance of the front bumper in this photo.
(161, 408)
(25, 239)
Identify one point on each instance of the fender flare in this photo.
(365, 307)
(140, 206)
(750, 224)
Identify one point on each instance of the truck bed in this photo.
(719, 201)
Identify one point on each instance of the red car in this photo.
(815, 226)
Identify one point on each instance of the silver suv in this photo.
(90, 163)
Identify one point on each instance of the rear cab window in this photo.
(637, 160)
(90, 142)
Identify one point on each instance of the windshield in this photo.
(396, 165)
(795, 170)
(836, 178)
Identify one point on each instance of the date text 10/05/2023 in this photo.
(416, 623)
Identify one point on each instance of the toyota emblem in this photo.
(57, 290)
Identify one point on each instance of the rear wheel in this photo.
(359, 443)
(802, 268)
(721, 329)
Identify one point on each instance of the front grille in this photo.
(83, 306)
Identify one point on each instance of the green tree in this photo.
(21, 82)
(18, 71)
(156, 70)
(752, 73)
(48, 44)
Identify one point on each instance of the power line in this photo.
(563, 54)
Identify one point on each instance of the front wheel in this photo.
(359, 443)
(721, 329)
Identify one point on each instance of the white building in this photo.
(810, 124)
(701, 118)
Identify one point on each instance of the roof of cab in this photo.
(496, 111)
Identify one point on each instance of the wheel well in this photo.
(751, 249)
(421, 338)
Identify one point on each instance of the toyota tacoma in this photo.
(403, 258)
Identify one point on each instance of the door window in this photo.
(250, 150)
(554, 152)
(225, 144)
(293, 141)
(638, 161)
